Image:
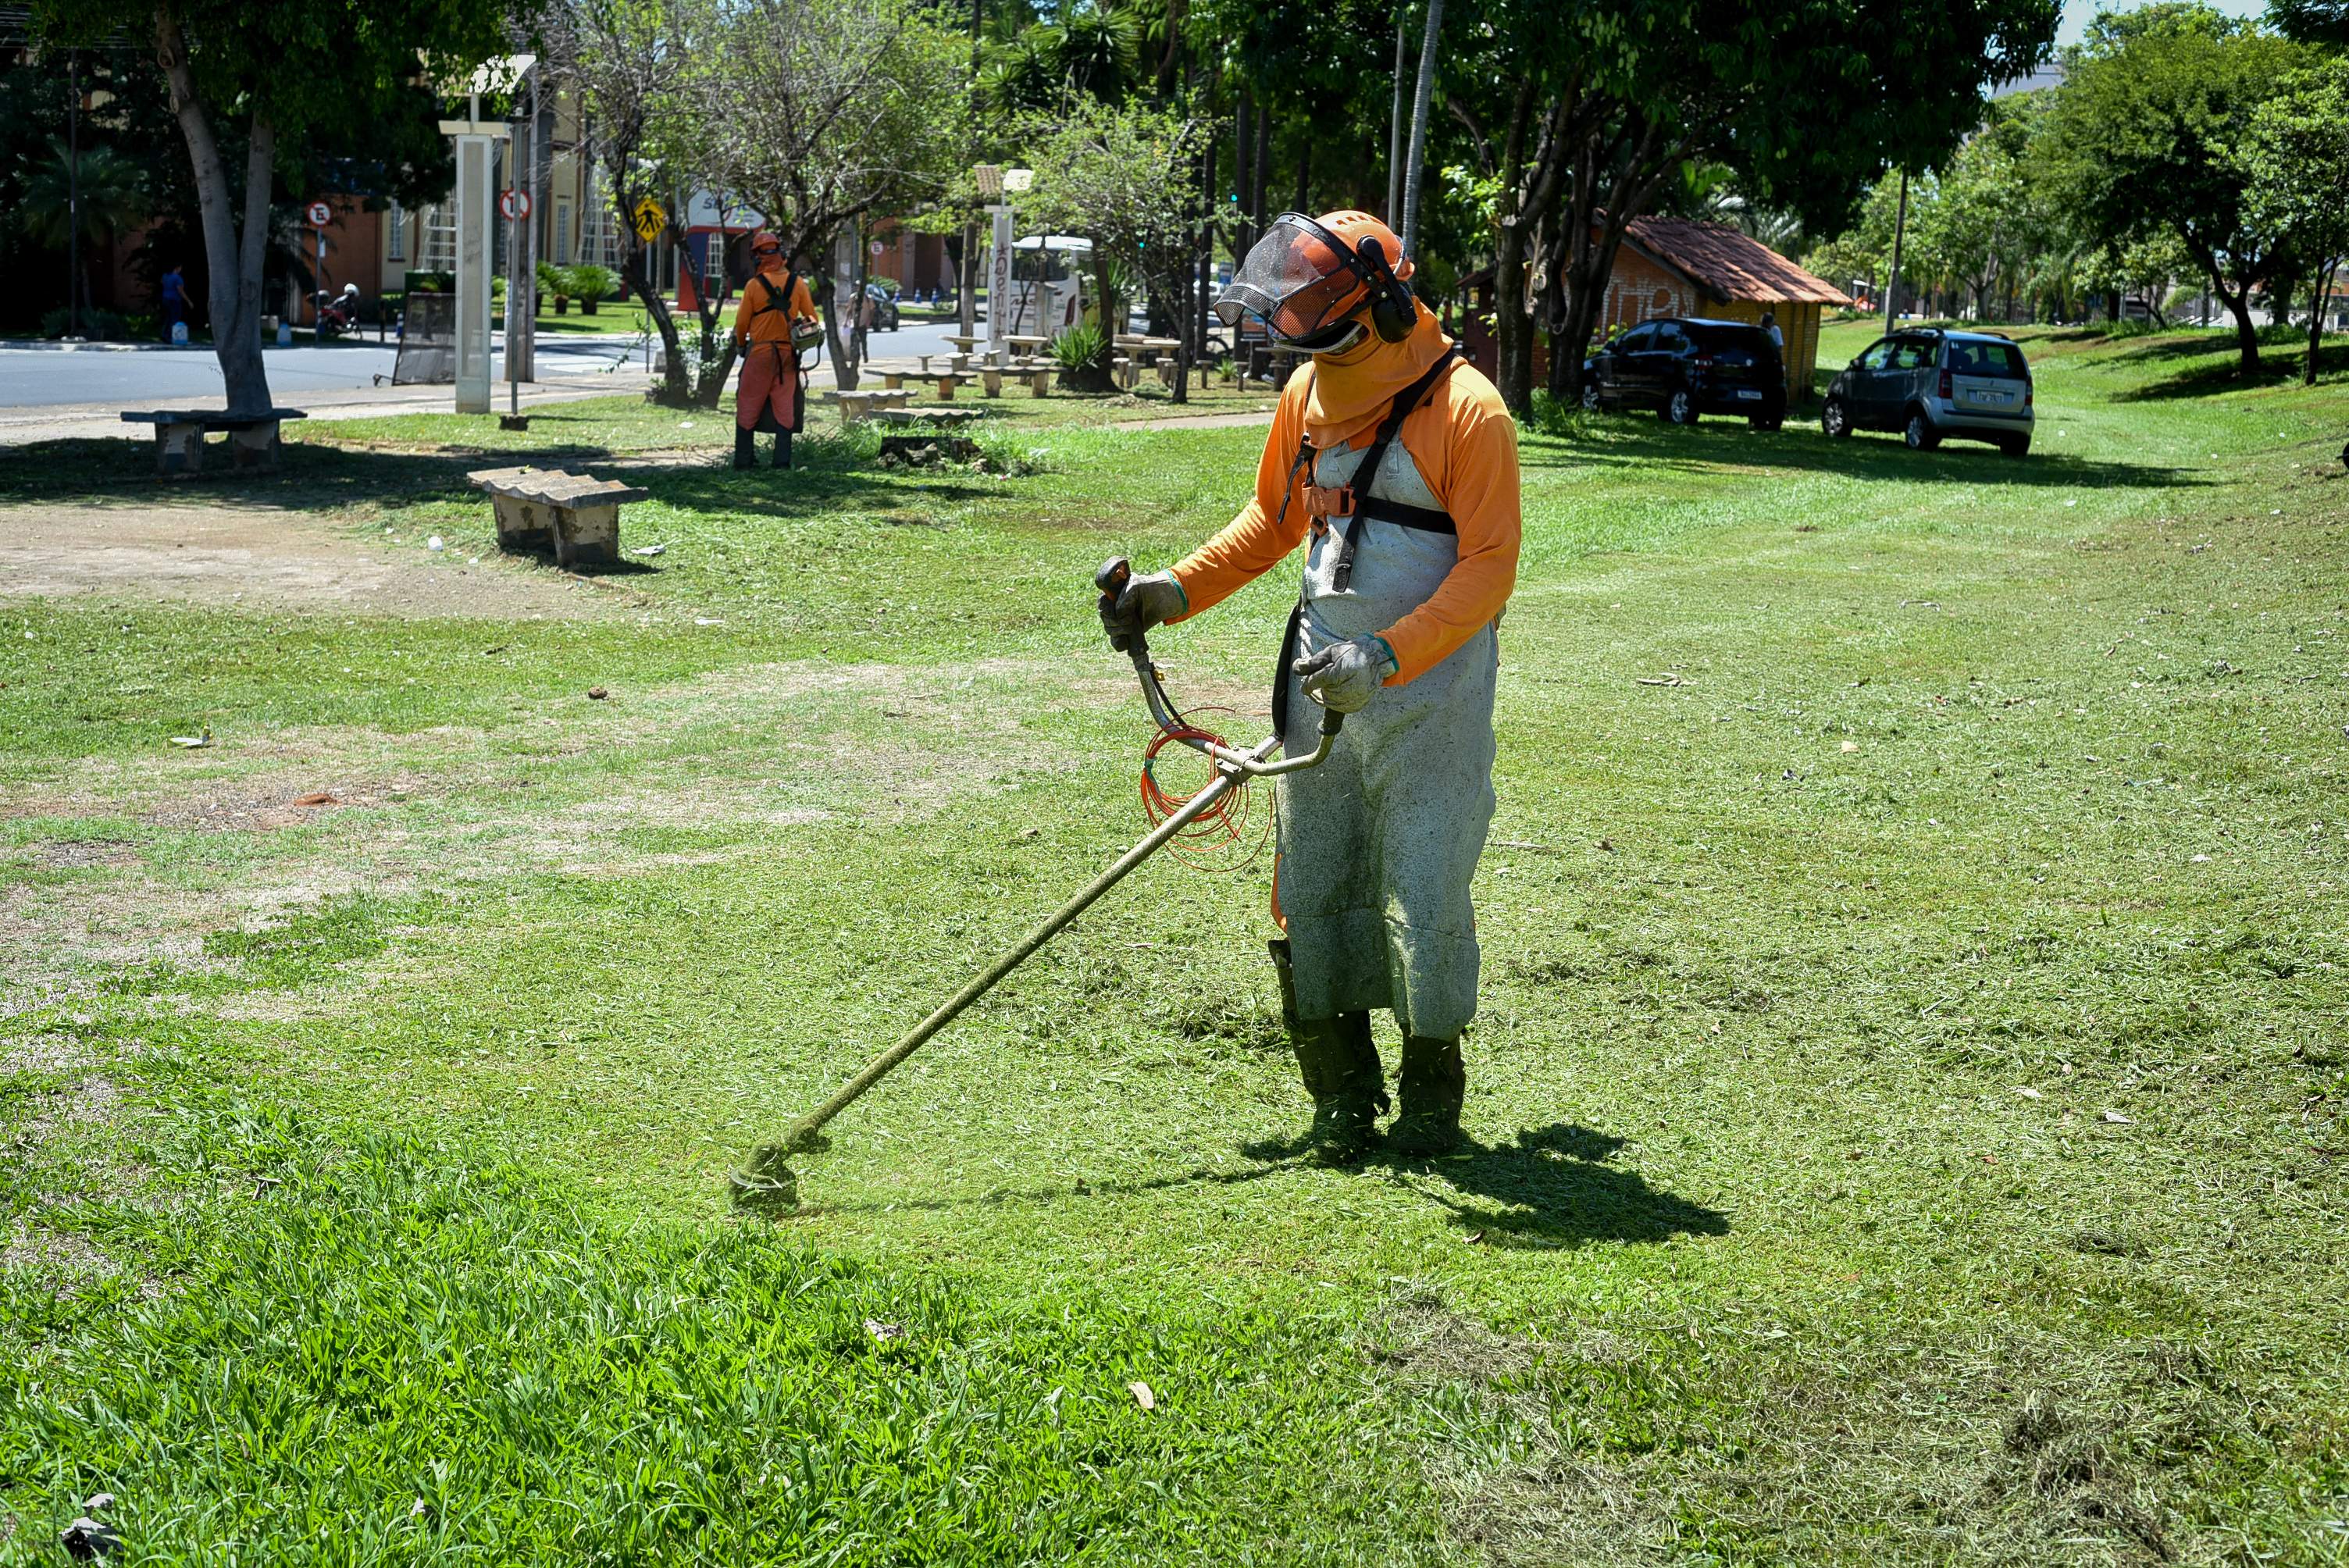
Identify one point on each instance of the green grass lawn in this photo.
(1911, 1095)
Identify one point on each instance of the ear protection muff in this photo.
(1394, 311)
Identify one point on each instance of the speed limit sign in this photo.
(321, 214)
(514, 204)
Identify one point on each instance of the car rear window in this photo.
(2002, 360)
(1751, 339)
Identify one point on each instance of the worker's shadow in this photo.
(1552, 1188)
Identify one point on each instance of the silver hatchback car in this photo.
(1931, 384)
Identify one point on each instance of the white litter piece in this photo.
(436, 542)
(193, 742)
(649, 549)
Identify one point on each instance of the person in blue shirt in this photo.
(177, 305)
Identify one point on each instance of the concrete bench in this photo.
(947, 384)
(180, 436)
(855, 406)
(1128, 375)
(575, 515)
(1038, 379)
(990, 381)
(927, 418)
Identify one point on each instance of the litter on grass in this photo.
(1142, 1396)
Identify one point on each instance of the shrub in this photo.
(588, 283)
(551, 280)
(99, 325)
(1078, 348)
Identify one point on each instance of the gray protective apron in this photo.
(1377, 846)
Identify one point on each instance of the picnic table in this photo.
(1025, 342)
(855, 406)
(180, 436)
(577, 515)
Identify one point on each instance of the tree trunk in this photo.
(1415, 155)
(1591, 258)
(1242, 165)
(233, 260)
(2316, 318)
(1513, 327)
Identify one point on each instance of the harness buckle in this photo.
(1325, 502)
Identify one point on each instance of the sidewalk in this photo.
(21, 427)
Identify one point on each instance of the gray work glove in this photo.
(1345, 674)
(1145, 603)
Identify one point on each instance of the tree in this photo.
(1599, 108)
(1122, 178)
(2139, 134)
(2311, 21)
(629, 60)
(2294, 160)
(823, 112)
(251, 85)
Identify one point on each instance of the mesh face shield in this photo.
(1300, 280)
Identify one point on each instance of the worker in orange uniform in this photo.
(776, 307)
(1398, 460)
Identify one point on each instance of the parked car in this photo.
(883, 305)
(1686, 367)
(1931, 384)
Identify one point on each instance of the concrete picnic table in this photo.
(1026, 340)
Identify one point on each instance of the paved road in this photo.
(169, 377)
(164, 377)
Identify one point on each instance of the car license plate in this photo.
(1755, 396)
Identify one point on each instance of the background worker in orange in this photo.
(1394, 460)
(776, 306)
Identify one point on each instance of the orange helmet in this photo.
(1308, 277)
(764, 244)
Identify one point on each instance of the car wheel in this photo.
(1921, 436)
(2015, 446)
(1836, 420)
(1680, 408)
(1590, 396)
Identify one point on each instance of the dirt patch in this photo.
(255, 556)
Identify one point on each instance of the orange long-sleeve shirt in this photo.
(753, 324)
(1465, 446)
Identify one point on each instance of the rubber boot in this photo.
(783, 448)
(746, 449)
(1431, 1085)
(1339, 1063)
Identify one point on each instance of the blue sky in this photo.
(2077, 14)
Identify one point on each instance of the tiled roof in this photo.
(1729, 264)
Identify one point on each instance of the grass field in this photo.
(1911, 1095)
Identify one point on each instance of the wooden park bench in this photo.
(575, 515)
(180, 436)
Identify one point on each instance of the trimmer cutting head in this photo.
(767, 1184)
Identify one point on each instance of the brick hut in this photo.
(1676, 266)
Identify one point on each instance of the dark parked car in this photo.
(1685, 367)
(883, 305)
(1931, 384)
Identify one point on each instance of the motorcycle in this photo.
(337, 313)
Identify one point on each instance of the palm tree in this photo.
(113, 197)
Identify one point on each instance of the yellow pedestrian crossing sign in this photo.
(650, 220)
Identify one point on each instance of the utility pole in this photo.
(1410, 173)
(968, 282)
(73, 193)
(1900, 232)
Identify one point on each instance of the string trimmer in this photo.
(769, 1182)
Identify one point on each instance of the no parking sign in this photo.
(515, 204)
(321, 214)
